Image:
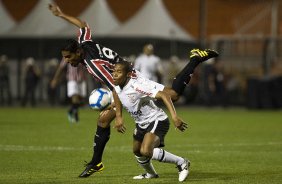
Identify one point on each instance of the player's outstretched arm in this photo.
(119, 125)
(178, 122)
(55, 9)
(57, 76)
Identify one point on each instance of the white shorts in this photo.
(76, 88)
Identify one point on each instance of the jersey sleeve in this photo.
(84, 35)
(147, 87)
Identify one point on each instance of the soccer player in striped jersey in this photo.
(76, 87)
(136, 95)
(99, 61)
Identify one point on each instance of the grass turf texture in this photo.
(224, 146)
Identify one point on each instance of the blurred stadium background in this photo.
(247, 34)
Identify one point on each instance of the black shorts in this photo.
(159, 128)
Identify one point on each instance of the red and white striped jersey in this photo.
(99, 60)
(74, 73)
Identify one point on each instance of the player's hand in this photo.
(180, 124)
(55, 9)
(119, 125)
(110, 107)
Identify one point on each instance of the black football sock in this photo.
(182, 79)
(101, 138)
(70, 110)
(75, 111)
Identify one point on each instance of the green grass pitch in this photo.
(224, 146)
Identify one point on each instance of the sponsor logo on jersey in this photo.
(131, 98)
(143, 92)
(135, 113)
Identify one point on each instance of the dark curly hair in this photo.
(128, 66)
(71, 46)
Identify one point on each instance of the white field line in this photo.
(229, 144)
(123, 148)
(37, 148)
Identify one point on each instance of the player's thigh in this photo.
(75, 99)
(136, 147)
(150, 141)
(106, 117)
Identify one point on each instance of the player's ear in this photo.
(79, 52)
(129, 74)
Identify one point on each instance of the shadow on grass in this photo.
(168, 177)
(200, 176)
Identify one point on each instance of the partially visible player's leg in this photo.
(197, 56)
(101, 138)
(73, 111)
(182, 164)
(73, 94)
(102, 134)
(78, 99)
(167, 157)
(144, 161)
(152, 142)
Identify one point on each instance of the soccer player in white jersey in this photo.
(149, 64)
(136, 95)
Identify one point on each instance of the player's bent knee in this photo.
(106, 117)
(137, 152)
(146, 152)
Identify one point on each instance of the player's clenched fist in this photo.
(55, 9)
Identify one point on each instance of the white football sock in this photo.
(147, 165)
(167, 157)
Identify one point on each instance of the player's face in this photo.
(71, 58)
(120, 76)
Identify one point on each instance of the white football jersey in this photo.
(148, 65)
(137, 97)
